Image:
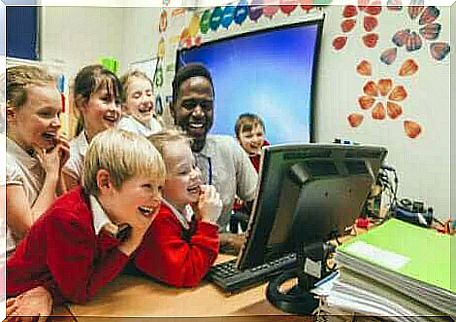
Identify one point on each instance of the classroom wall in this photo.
(80, 35)
(422, 159)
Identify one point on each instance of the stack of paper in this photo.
(397, 269)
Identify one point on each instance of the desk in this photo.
(142, 297)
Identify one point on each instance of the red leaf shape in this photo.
(370, 23)
(347, 25)
(339, 42)
(370, 40)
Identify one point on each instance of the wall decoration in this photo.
(412, 129)
(193, 26)
(288, 6)
(177, 12)
(408, 68)
(161, 48)
(421, 28)
(205, 20)
(364, 68)
(394, 5)
(241, 12)
(383, 98)
(256, 10)
(216, 18)
(227, 17)
(163, 23)
(439, 50)
(306, 4)
(368, 12)
(271, 9)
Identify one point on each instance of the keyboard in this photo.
(230, 279)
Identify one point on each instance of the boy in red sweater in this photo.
(182, 243)
(77, 245)
(250, 133)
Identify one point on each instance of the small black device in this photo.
(231, 279)
(413, 212)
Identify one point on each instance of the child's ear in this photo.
(11, 113)
(104, 183)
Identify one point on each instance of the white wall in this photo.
(140, 35)
(79, 36)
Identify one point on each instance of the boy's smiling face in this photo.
(138, 198)
(252, 140)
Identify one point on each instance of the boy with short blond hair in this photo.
(76, 247)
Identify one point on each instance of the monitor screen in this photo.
(269, 72)
(307, 193)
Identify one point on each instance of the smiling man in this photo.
(221, 160)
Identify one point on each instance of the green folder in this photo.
(416, 252)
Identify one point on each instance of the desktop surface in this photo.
(142, 297)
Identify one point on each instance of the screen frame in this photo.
(317, 51)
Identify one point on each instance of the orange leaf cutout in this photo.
(355, 119)
(412, 129)
(364, 68)
(394, 110)
(379, 113)
(366, 102)
(398, 94)
(385, 85)
(408, 68)
(370, 89)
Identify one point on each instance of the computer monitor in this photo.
(307, 194)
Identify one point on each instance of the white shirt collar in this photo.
(183, 218)
(100, 218)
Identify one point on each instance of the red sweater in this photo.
(62, 253)
(173, 258)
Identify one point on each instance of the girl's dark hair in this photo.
(89, 80)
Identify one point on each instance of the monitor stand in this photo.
(311, 268)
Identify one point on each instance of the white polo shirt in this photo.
(78, 148)
(130, 124)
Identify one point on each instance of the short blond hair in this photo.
(164, 137)
(124, 155)
(20, 78)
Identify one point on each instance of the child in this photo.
(250, 133)
(138, 104)
(77, 246)
(35, 150)
(97, 92)
(178, 250)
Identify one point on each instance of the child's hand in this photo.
(209, 205)
(57, 155)
(31, 304)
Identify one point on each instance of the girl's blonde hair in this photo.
(164, 137)
(19, 78)
(124, 155)
(125, 81)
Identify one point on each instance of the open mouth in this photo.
(195, 190)
(111, 118)
(145, 110)
(50, 136)
(147, 211)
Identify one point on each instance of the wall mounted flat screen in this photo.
(269, 72)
